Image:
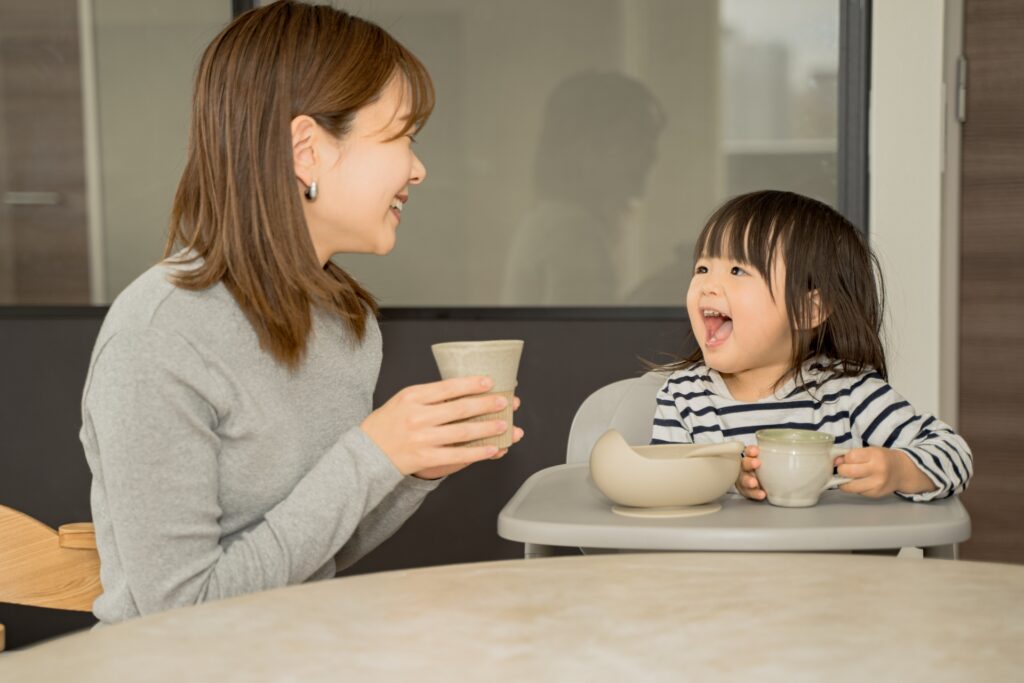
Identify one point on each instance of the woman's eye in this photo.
(412, 139)
(736, 270)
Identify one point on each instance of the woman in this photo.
(227, 412)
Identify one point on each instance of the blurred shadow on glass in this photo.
(667, 285)
(597, 146)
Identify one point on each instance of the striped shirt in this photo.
(695, 406)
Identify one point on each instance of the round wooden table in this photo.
(645, 617)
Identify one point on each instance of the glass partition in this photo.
(576, 149)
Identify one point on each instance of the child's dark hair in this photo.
(822, 252)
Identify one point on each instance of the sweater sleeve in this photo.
(881, 417)
(150, 416)
(669, 426)
(385, 519)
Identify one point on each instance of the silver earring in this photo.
(311, 191)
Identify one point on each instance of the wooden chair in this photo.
(40, 567)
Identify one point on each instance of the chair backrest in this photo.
(626, 406)
(43, 567)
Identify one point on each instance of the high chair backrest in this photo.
(626, 406)
(43, 567)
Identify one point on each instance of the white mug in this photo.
(796, 465)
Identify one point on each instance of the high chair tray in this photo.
(560, 506)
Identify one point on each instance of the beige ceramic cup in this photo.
(796, 465)
(497, 359)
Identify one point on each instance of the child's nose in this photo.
(709, 286)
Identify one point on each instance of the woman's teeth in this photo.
(397, 203)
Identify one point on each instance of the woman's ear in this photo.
(304, 155)
(816, 314)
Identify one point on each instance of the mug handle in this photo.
(836, 480)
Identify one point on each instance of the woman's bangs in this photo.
(420, 88)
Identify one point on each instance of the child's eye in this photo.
(736, 270)
(700, 270)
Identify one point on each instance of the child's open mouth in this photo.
(718, 327)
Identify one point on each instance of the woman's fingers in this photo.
(449, 455)
(447, 389)
(461, 432)
(462, 409)
(421, 427)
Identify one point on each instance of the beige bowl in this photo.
(670, 475)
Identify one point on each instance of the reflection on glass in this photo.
(575, 152)
(597, 144)
(145, 57)
(780, 63)
(559, 190)
(43, 232)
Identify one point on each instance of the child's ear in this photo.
(816, 314)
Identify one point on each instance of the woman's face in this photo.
(363, 179)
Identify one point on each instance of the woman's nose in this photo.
(419, 171)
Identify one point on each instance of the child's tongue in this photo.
(718, 329)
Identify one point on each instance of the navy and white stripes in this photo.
(694, 405)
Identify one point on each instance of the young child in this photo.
(787, 313)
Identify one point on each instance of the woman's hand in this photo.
(747, 482)
(877, 472)
(445, 470)
(414, 427)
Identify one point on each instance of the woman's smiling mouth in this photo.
(398, 204)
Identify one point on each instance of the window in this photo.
(576, 149)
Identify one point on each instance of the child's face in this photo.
(739, 326)
(363, 176)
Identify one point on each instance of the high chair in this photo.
(40, 567)
(627, 406)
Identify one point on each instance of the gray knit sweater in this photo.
(218, 471)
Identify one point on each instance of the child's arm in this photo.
(912, 454)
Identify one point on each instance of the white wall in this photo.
(906, 203)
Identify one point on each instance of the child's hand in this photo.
(747, 482)
(877, 472)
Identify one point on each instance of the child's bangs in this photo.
(750, 239)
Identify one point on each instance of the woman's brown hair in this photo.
(825, 257)
(238, 207)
